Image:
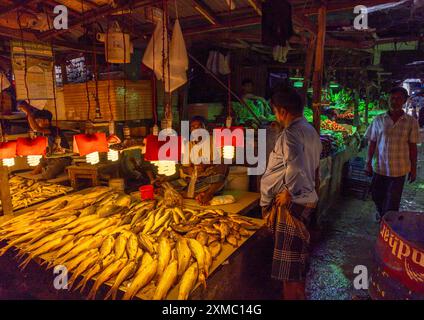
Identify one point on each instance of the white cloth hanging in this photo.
(178, 60)
(4, 82)
(153, 56)
(224, 64)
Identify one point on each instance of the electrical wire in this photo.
(154, 102)
(96, 82)
(229, 75)
(53, 74)
(108, 71)
(125, 77)
(85, 66)
(25, 56)
(168, 61)
(163, 57)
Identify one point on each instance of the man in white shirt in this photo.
(393, 138)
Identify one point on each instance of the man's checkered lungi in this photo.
(289, 225)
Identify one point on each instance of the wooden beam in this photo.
(6, 200)
(17, 5)
(256, 6)
(93, 15)
(33, 37)
(319, 67)
(205, 11)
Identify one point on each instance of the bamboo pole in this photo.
(6, 200)
(319, 66)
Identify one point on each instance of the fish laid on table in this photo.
(166, 281)
(164, 254)
(127, 272)
(188, 281)
(90, 261)
(199, 253)
(183, 255)
(98, 267)
(105, 275)
(143, 277)
(147, 246)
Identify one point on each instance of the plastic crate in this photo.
(356, 183)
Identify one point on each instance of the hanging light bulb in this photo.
(166, 168)
(34, 160)
(92, 158)
(229, 152)
(9, 162)
(112, 155)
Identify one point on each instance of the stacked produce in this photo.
(144, 248)
(26, 192)
(346, 116)
(333, 126)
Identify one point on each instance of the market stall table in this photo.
(245, 202)
(89, 172)
(226, 252)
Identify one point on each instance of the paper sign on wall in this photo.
(32, 69)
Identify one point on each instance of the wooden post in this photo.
(367, 100)
(6, 200)
(319, 66)
(356, 98)
(64, 73)
(309, 63)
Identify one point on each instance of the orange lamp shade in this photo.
(31, 147)
(113, 139)
(8, 150)
(88, 143)
(153, 147)
(233, 136)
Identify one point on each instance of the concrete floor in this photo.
(348, 240)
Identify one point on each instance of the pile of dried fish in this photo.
(143, 248)
(26, 192)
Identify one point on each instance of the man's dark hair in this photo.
(200, 119)
(288, 99)
(43, 114)
(246, 81)
(401, 90)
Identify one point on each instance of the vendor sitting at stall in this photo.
(40, 121)
(258, 105)
(203, 180)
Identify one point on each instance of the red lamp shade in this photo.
(113, 139)
(88, 143)
(154, 146)
(31, 147)
(233, 136)
(7, 150)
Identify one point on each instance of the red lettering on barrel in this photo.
(383, 229)
(393, 242)
(402, 253)
(418, 257)
(386, 234)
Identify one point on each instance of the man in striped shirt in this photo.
(393, 140)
